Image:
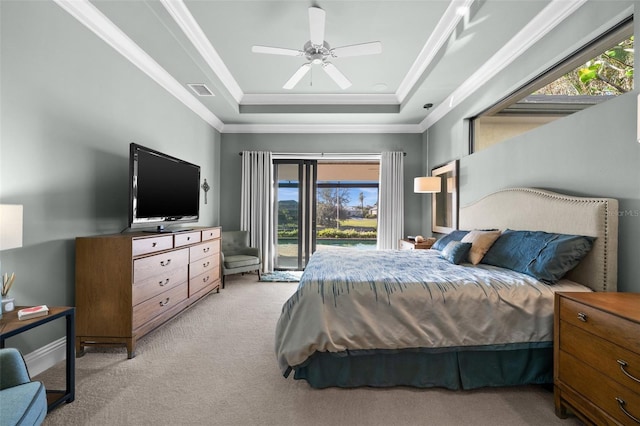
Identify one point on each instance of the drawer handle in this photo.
(165, 302)
(188, 238)
(582, 316)
(154, 244)
(162, 284)
(624, 364)
(206, 250)
(163, 263)
(205, 279)
(621, 405)
(204, 265)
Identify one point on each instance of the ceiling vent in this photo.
(201, 89)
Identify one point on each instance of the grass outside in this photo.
(360, 223)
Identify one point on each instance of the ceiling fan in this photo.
(317, 51)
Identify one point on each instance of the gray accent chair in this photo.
(237, 256)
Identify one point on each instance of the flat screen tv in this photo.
(162, 189)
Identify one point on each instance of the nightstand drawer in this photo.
(600, 354)
(601, 323)
(599, 389)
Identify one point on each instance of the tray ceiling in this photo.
(433, 51)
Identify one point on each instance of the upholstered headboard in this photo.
(539, 210)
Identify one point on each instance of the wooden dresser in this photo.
(129, 284)
(597, 357)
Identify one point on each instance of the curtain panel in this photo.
(391, 200)
(256, 206)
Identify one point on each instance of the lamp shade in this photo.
(10, 226)
(426, 184)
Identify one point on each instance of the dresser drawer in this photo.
(603, 324)
(149, 288)
(205, 264)
(599, 389)
(159, 264)
(205, 249)
(142, 246)
(186, 238)
(202, 281)
(600, 354)
(210, 234)
(157, 305)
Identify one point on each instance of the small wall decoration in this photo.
(205, 188)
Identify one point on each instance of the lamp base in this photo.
(8, 304)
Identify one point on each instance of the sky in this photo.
(370, 195)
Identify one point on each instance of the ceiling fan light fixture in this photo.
(317, 51)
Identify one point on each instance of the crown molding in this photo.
(545, 21)
(321, 128)
(88, 15)
(441, 33)
(319, 99)
(185, 20)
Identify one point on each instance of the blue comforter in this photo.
(352, 300)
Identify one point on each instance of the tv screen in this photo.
(163, 189)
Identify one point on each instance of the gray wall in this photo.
(591, 153)
(70, 107)
(231, 165)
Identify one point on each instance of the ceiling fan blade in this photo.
(371, 48)
(297, 76)
(336, 75)
(316, 25)
(277, 51)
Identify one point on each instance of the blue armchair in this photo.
(22, 402)
(237, 255)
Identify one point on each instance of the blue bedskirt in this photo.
(452, 370)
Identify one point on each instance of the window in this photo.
(599, 71)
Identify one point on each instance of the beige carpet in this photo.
(215, 365)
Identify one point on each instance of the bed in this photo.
(414, 318)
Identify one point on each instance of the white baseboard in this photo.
(46, 357)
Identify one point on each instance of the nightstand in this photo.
(597, 357)
(406, 244)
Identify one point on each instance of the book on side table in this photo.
(33, 312)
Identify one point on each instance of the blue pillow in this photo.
(456, 235)
(545, 256)
(456, 251)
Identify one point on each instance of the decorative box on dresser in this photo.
(597, 357)
(131, 283)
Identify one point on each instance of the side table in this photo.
(406, 244)
(11, 326)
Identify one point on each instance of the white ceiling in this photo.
(433, 51)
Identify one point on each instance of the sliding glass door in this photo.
(324, 205)
(296, 218)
